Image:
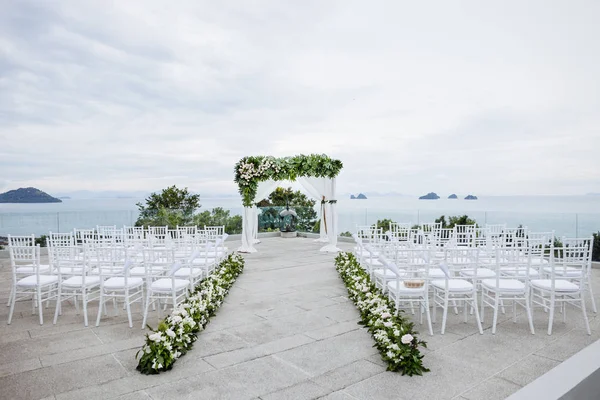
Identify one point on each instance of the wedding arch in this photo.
(258, 176)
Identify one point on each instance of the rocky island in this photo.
(471, 197)
(453, 196)
(360, 196)
(430, 196)
(27, 195)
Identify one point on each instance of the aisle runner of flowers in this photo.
(394, 335)
(176, 334)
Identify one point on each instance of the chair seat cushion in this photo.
(203, 261)
(400, 288)
(118, 282)
(435, 273)
(76, 281)
(454, 285)
(31, 280)
(384, 273)
(560, 285)
(185, 272)
(166, 284)
(504, 285)
(481, 273)
(30, 269)
(137, 271)
(564, 271)
(511, 271)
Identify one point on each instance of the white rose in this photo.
(406, 339)
(386, 315)
(388, 324)
(170, 333)
(155, 337)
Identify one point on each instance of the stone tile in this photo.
(91, 351)
(210, 343)
(245, 354)
(139, 395)
(528, 369)
(319, 357)
(339, 395)
(341, 312)
(306, 390)
(492, 389)
(333, 330)
(448, 378)
(349, 374)
(567, 345)
(19, 366)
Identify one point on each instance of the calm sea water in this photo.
(567, 215)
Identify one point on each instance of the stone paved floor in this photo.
(286, 331)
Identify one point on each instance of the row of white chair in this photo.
(456, 275)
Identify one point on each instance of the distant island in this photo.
(64, 198)
(360, 196)
(430, 196)
(27, 195)
(471, 197)
(453, 196)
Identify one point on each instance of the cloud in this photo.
(413, 97)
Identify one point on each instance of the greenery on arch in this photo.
(249, 171)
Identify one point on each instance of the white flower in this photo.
(389, 354)
(155, 337)
(386, 315)
(170, 333)
(388, 324)
(396, 332)
(406, 339)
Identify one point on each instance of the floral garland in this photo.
(176, 334)
(249, 171)
(394, 336)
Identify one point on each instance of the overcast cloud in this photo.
(475, 96)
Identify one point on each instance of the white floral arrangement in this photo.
(176, 334)
(394, 335)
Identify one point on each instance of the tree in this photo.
(455, 220)
(171, 206)
(219, 217)
(304, 207)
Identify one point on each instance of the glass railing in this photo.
(39, 223)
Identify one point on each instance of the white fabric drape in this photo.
(247, 231)
(316, 188)
(250, 218)
(330, 214)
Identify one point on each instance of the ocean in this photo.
(566, 215)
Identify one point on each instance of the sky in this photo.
(482, 97)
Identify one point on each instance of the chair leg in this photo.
(477, 313)
(585, 317)
(591, 291)
(84, 300)
(100, 305)
(551, 314)
(58, 296)
(127, 301)
(496, 307)
(445, 312)
(40, 310)
(529, 314)
(428, 315)
(12, 291)
(12, 306)
(146, 308)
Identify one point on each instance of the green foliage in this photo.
(394, 335)
(172, 206)
(383, 224)
(41, 241)
(217, 217)
(346, 234)
(303, 205)
(249, 171)
(176, 334)
(455, 220)
(596, 247)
